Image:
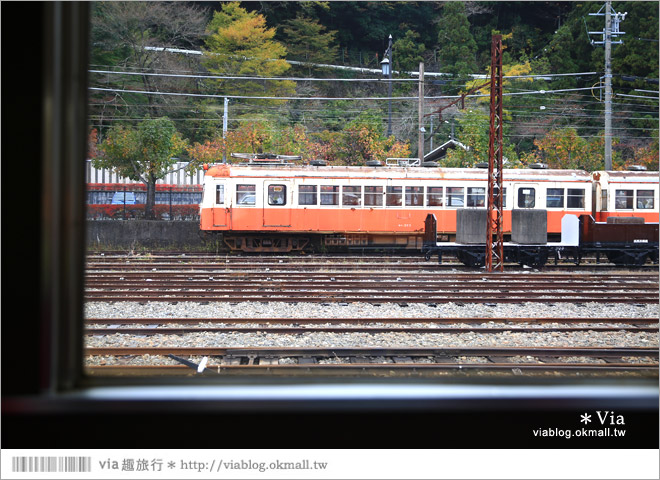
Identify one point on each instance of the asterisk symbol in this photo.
(171, 465)
(586, 418)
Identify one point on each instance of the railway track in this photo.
(134, 346)
(227, 361)
(401, 280)
(298, 326)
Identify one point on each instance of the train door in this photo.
(221, 210)
(527, 195)
(278, 196)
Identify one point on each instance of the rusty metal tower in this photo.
(494, 234)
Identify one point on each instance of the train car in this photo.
(126, 200)
(625, 194)
(269, 205)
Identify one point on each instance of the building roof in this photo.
(441, 151)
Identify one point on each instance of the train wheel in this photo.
(533, 258)
(627, 258)
(472, 258)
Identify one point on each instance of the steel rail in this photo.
(364, 369)
(358, 321)
(372, 330)
(333, 352)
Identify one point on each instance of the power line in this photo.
(248, 97)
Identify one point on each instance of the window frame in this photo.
(245, 193)
(392, 195)
(303, 194)
(570, 198)
(66, 399)
(417, 193)
(429, 195)
(351, 195)
(333, 194)
(452, 194)
(650, 206)
(562, 197)
(377, 195)
(281, 195)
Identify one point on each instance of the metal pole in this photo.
(420, 115)
(608, 85)
(389, 89)
(494, 212)
(225, 116)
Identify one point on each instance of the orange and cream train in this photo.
(261, 207)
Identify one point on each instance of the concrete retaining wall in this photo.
(143, 233)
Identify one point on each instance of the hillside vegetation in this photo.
(283, 68)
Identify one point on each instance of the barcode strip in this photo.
(51, 464)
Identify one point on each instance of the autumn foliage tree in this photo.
(239, 43)
(146, 153)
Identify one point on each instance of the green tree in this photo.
(307, 40)
(474, 132)
(457, 48)
(239, 43)
(146, 153)
(408, 52)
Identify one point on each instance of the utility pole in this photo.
(225, 117)
(612, 23)
(420, 116)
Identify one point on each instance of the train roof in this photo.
(340, 171)
(629, 176)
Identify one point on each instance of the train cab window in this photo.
(554, 198)
(307, 195)
(645, 200)
(434, 196)
(329, 195)
(575, 198)
(219, 194)
(246, 194)
(373, 196)
(414, 196)
(276, 194)
(393, 196)
(455, 197)
(526, 198)
(351, 196)
(476, 197)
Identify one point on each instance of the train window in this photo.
(276, 194)
(351, 196)
(220, 194)
(527, 198)
(307, 195)
(476, 197)
(434, 197)
(575, 198)
(645, 199)
(414, 196)
(329, 195)
(504, 198)
(455, 197)
(393, 196)
(373, 196)
(623, 199)
(246, 194)
(555, 198)
(603, 201)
